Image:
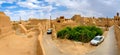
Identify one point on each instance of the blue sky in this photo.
(45, 8)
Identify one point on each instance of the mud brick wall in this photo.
(117, 34)
(5, 24)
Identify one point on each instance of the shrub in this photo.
(79, 33)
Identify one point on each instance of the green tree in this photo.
(79, 33)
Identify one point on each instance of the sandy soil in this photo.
(75, 48)
(27, 45)
(18, 45)
(105, 33)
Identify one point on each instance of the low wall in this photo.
(54, 36)
(117, 34)
(23, 29)
(40, 50)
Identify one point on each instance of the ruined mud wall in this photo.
(117, 34)
(42, 29)
(5, 24)
(40, 50)
(54, 36)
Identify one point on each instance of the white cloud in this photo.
(74, 7)
(34, 4)
(39, 9)
(69, 13)
(47, 8)
(69, 3)
(33, 1)
(7, 1)
(11, 1)
(108, 2)
(88, 7)
(8, 12)
(34, 10)
(11, 15)
(1, 2)
(11, 7)
(26, 14)
(28, 5)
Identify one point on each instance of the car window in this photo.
(49, 29)
(98, 38)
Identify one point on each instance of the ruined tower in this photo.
(78, 19)
(60, 19)
(117, 19)
(117, 14)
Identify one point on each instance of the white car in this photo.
(49, 31)
(97, 40)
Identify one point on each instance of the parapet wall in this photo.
(117, 34)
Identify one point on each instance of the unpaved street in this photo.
(64, 47)
(50, 47)
(108, 47)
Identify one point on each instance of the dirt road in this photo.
(108, 47)
(50, 47)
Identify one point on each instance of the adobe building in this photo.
(102, 21)
(60, 19)
(5, 24)
(117, 19)
(78, 19)
(111, 21)
(89, 21)
(34, 21)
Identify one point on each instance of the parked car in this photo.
(49, 31)
(97, 40)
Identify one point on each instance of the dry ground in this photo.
(18, 45)
(75, 48)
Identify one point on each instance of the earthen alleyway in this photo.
(108, 47)
(50, 47)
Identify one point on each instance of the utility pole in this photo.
(50, 23)
(20, 20)
(107, 24)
